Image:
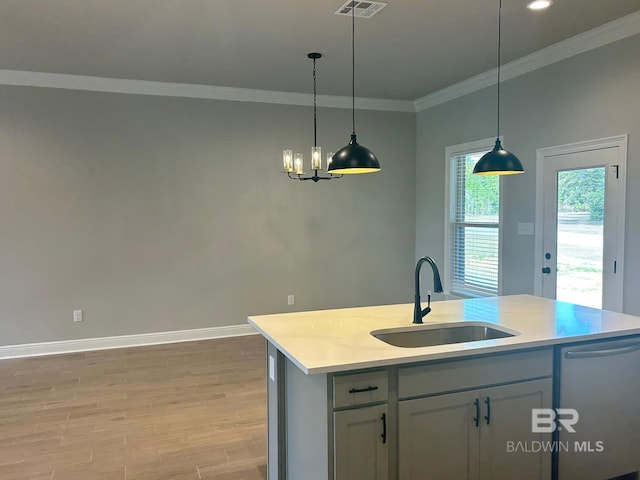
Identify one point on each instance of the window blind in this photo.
(474, 225)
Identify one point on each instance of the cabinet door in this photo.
(438, 437)
(507, 445)
(360, 443)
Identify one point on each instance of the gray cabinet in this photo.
(465, 435)
(506, 420)
(481, 433)
(361, 426)
(437, 438)
(335, 424)
(361, 443)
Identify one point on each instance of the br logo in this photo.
(547, 420)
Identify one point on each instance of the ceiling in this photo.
(408, 50)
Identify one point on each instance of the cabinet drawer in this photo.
(449, 376)
(360, 388)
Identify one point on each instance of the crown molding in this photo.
(613, 31)
(605, 34)
(209, 92)
(122, 341)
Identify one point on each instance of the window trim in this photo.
(475, 146)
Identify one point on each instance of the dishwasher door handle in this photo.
(606, 352)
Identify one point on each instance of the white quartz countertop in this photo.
(325, 341)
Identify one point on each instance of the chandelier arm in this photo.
(314, 177)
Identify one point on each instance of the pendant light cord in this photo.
(499, 45)
(315, 115)
(353, 66)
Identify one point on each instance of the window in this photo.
(473, 224)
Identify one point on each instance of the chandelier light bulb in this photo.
(287, 160)
(298, 163)
(316, 158)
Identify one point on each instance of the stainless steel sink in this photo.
(431, 335)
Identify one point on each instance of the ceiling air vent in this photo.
(362, 9)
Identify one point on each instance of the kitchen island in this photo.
(344, 404)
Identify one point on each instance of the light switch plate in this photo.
(525, 229)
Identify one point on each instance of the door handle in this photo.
(488, 415)
(601, 353)
(384, 428)
(365, 389)
(546, 270)
(476, 402)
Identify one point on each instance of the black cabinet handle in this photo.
(384, 428)
(488, 415)
(546, 270)
(476, 402)
(360, 390)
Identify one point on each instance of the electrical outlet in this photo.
(291, 300)
(272, 368)
(77, 316)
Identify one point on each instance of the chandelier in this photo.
(294, 164)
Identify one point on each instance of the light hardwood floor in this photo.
(184, 411)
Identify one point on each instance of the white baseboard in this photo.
(104, 343)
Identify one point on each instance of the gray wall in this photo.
(156, 214)
(592, 95)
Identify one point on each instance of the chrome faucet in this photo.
(418, 311)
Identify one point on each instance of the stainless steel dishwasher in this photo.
(601, 382)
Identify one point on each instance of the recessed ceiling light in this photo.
(539, 4)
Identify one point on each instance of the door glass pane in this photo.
(580, 236)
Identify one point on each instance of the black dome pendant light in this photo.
(498, 161)
(353, 158)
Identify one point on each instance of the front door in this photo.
(579, 257)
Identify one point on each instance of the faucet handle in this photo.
(427, 309)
